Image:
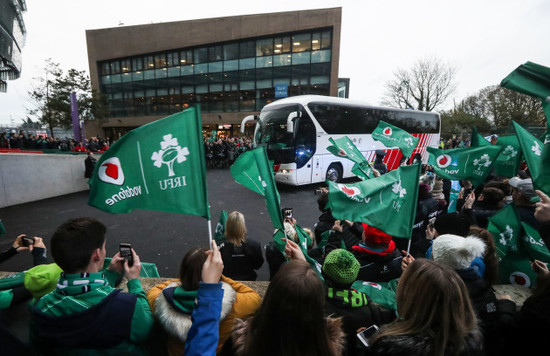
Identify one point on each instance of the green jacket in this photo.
(50, 314)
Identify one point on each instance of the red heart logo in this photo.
(342, 152)
(111, 170)
(348, 191)
(443, 160)
(387, 131)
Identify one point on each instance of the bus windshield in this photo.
(282, 146)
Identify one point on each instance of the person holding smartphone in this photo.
(85, 314)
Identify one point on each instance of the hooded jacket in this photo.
(238, 301)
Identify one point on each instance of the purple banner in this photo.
(74, 115)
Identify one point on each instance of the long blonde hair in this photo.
(432, 300)
(235, 228)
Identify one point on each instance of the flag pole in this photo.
(409, 247)
(209, 234)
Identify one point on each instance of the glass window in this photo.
(126, 77)
(187, 89)
(316, 41)
(200, 55)
(282, 60)
(149, 74)
(231, 51)
(231, 65)
(215, 53)
(301, 43)
(247, 100)
(246, 84)
(264, 62)
(106, 79)
(264, 83)
(247, 49)
(248, 63)
(281, 45)
(137, 64)
(187, 70)
(105, 68)
(137, 76)
(321, 79)
(115, 67)
(161, 73)
(201, 68)
(172, 59)
(215, 67)
(174, 71)
(149, 62)
(125, 65)
(326, 39)
(186, 58)
(160, 61)
(301, 58)
(264, 47)
(320, 56)
(200, 89)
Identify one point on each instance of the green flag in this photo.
(2, 228)
(473, 164)
(508, 160)
(344, 147)
(478, 140)
(387, 202)
(219, 233)
(506, 229)
(392, 136)
(159, 166)
(531, 79)
(537, 158)
(533, 244)
(382, 293)
(252, 169)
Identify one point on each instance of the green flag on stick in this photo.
(344, 147)
(392, 136)
(478, 140)
(159, 166)
(534, 245)
(473, 164)
(387, 202)
(2, 228)
(537, 157)
(219, 232)
(509, 159)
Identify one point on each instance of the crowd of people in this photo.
(444, 303)
(221, 153)
(24, 141)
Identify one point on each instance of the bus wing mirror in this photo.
(290, 121)
(247, 119)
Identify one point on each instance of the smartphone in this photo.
(126, 252)
(287, 213)
(27, 241)
(364, 335)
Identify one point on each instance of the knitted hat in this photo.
(341, 266)
(452, 223)
(374, 235)
(437, 191)
(42, 279)
(457, 252)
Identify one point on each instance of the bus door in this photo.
(305, 136)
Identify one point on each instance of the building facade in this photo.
(231, 66)
(12, 39)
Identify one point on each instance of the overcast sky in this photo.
(484, 39)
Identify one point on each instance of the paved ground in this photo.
(160, 238)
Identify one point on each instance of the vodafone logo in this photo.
(387, 131)
(111, 172)
(443, 161)
(342, 153)
(520, 279)
(349, 191)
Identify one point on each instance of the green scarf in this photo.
(78, 283)
(185, 300)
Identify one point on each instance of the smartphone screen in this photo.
(364, 335)
(126, 253)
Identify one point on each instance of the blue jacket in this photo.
(203, 335)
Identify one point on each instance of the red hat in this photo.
(374, 235)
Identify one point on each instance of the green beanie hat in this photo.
(42, 279)
(341, 266)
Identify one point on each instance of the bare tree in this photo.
(426, 86)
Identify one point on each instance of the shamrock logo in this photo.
(483, 161)
(398, 189)
(536, 149)
(506, 236)
(169, 152)
(510, 152)
(408, 141)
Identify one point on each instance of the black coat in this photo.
(240, 262)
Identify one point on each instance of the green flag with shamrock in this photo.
(219, 233)
(537, 158)
(387, 202)
(509, 159)
(506, 229)
(533, 244)
(473, 163)
(345, 148)
(392, 136)
(159, 166)
(253, 170)
(478, 140)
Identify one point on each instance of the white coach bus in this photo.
(295, 132)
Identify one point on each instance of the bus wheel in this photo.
(334, 172)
